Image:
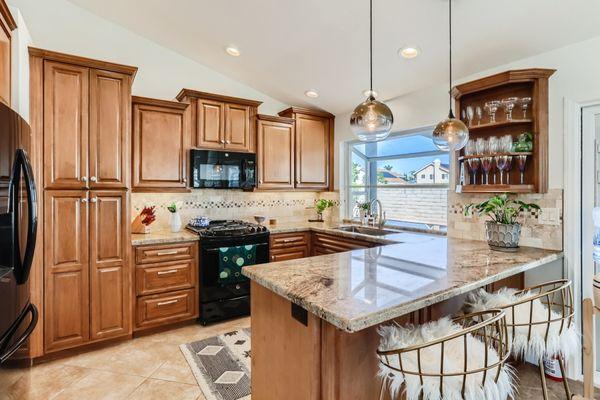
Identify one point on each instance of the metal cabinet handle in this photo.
(228, 141)
(166, 253)
(93, 199)
(84, 200)
(222, 141)
(93, 179)
(84, 178)
(184, 180)
(165, 303)
(272, 257)
(289, 240)
(171, 271)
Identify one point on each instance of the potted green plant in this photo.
(503, 231)
(321, 205)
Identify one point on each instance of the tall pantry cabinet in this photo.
(83, 108)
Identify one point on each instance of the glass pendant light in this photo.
(451, 134)
(371, 120)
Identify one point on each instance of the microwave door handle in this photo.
(5, 353)
(22, 268)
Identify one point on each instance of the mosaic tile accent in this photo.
(228, 204)
(533, 233)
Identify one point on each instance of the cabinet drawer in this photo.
(290, 254)
(284, 240)
(157, 278)
(165, 308)
(327, 244)
(167, 252)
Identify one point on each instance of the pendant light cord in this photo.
(371, 47)
(450, 113)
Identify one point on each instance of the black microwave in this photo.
(222, 169)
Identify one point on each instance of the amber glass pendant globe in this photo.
(371, 120)
(451, 134)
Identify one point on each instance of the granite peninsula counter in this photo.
(314, 320)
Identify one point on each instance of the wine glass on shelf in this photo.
(509, 104)
(479, 113)
(491, 107)
(506, 143)
(493, 149)
(470, 114)
(521, 161)
(463, 115)
(524, 103)
(472, 162)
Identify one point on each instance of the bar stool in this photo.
(464, 358)
(539, 320)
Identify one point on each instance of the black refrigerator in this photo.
(18, 225)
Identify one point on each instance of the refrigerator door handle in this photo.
(23, 266)
(5, 352)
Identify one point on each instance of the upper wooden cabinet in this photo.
(7, 25)
(160, 145)
(313, 148)
(275, 153)
(86, 122)
(221, 122)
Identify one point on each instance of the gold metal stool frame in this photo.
(489, 326)
(556, 296)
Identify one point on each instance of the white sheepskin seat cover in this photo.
(564, 344)
(395, 337)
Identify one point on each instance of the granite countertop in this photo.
(362, 288)
(162, 236)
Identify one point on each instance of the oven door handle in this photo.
(5, 352)
(214, 249)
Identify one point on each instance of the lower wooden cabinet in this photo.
(87, 273)
(289, 246)
(166, 277)
(323, 243)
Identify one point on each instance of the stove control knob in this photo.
(252, 229)
(238, 287)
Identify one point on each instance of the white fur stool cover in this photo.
(399, 337)
(562, 337)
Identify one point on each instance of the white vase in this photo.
(175, 222)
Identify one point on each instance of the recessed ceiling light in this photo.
(311, 93)
(368, 92)
(232, 51)
(409, 51)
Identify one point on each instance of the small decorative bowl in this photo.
(260, 219)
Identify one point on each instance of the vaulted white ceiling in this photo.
(290, 46)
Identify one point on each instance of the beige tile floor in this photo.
(152, 367)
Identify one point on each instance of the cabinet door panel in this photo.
(160, 138)
(66, 91)
(66, 269)
(109, 266)
(5, 64)
(312, 152)
(275, 155)
(210, 129)
(237, 127)
(109, 129)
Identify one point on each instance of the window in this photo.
(407, 173)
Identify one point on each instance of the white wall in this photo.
(62, 26)
(577, 78)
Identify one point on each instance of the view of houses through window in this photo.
(407, 173)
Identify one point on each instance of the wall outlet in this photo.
(549, 216)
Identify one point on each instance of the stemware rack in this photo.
(531, 83)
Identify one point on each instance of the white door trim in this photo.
(572, 159)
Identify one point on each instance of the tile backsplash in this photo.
(533, 232)
(286, 207)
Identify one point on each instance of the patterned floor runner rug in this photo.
(221, 365)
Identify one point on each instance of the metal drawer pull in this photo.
(166, 253)
(171, 271)
(290, 240)
(166, 303)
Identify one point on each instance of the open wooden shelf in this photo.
(489, 125)
(495, 189)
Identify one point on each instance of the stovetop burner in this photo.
(228, 228)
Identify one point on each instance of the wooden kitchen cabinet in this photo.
(86, 122)
(313, 148)
(323, 243)
(66, 295)
(289, 246)
(160, 145)
(7, 25)
(275, 153)
(221, 122)
(110, 274)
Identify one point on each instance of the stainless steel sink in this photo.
(365, 230)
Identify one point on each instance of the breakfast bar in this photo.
(315, 320)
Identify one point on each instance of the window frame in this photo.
(370, 189)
